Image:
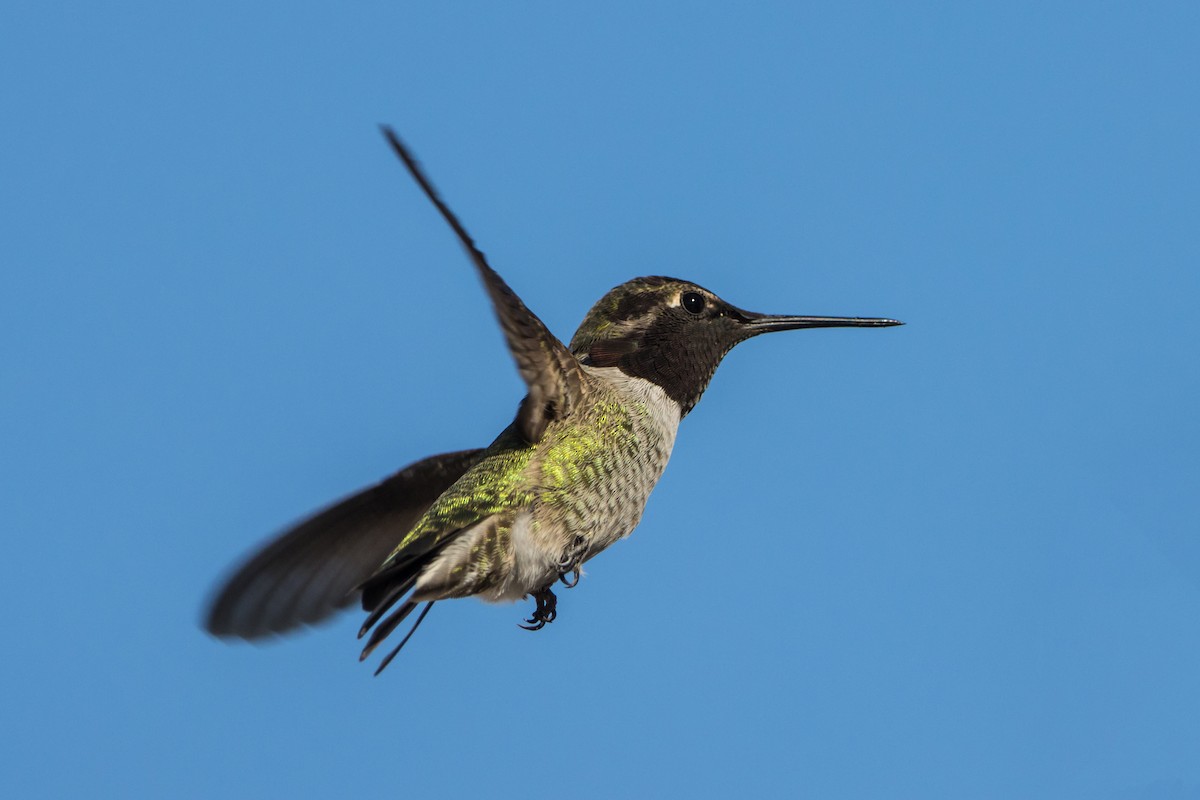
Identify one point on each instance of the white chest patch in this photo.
(664, 412)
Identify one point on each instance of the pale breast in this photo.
(596, 473)
(583, 487)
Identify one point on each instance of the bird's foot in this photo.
(545, 612)
(574, 581)
(572, 562)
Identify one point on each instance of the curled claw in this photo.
(536, 623)
(574, 555)
(544, 613)
(572, 562)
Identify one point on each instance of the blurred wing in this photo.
(315, 568)
(552, 374)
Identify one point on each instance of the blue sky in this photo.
(955, 559)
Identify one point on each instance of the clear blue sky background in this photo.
(959, 559)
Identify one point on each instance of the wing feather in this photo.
(553, 375)
(315, 568)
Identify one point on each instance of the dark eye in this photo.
(692, 302)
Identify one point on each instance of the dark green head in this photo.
(675, 333)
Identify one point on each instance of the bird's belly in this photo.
(554, 537)
(593, 481)
(587, 485)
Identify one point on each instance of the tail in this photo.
(436, 563)
(389, 625)
(382, 591)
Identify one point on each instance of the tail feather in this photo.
(420, 618)
(394, 593)
(383, 590)
(386, 627)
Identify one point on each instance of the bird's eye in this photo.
(692, 302)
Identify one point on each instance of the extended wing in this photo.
(315, 568)
(552, 374)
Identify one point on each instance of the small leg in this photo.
(572, 562)
(574, 581)
(545, 611)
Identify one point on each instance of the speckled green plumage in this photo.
(492, 486)
(585, 483)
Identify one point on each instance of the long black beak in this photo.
(768, 323)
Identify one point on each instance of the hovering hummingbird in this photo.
(569, 477)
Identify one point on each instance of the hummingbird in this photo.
(568, 478)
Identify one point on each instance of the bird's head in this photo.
(674, 333)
